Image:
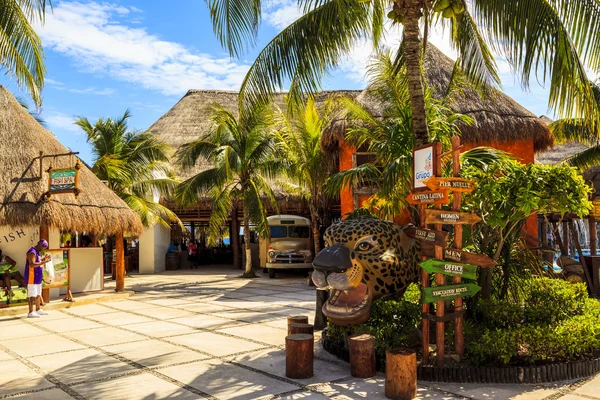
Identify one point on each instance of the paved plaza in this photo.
(199, 334)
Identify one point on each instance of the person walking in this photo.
(192, 250)
(34, 275)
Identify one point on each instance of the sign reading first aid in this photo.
(423, 162)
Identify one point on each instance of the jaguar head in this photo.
(364, 258)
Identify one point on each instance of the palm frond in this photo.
(235, 22)
(585, 159)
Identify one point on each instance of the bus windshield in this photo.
(278, 232)
(299, 232)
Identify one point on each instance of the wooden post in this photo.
(459, 340)
(299, 356)
(401, 374)
(424, 306)
(592, 224)
(296, 319)
(440, 279)
(565, 238)
(296, 327)
(588, 278)
(120, 262)
(362, 356)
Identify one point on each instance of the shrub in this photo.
(555, 322)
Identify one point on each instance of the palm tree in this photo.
(134, 165)
(388, 136)
(300, 133)
(242, 152)
(551, 41)
(21, 52)
(581, 131)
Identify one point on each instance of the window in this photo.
(278, 232)
(299, 232)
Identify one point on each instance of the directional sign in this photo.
(454, 184)
(443, 293)
(427, 235)
(450, 268)
(429, 197)
(461, 256)
(450, 217)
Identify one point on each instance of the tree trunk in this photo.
(248, 269)
(120, 262)
(235, 238)
(412, 50)
(314, 217)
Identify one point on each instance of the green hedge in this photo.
(555, 322)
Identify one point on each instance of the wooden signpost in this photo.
(455, 184)
(429, 197)
(449, 268)
(461, 256)
(450, 217)
(450, 292)
(427, 235)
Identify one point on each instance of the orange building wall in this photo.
(523, 150)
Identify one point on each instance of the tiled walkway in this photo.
(198, 334)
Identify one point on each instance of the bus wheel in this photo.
(271, 273)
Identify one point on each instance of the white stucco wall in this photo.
(15, 242)
(154, 243)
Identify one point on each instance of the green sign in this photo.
(449, 268)
(63, 180)
(442, 293)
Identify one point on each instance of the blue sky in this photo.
(105, 57)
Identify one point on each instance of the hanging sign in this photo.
(450, 217)
(443, 293)
(65, 180)
(454, 184)
(461, 256)
(424, 159)
(449, 268)
(429, 197)
(427, 235)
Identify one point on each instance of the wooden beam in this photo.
(588, 278)
(120, 262)
(593, 245)
(459, 340)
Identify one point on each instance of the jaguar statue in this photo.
(364, 258)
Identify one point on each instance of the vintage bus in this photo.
(289, 246)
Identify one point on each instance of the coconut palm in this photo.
(552, 41)
(242, 152)
(388, 136)
(21, 52)
(300, 131)
(134, 165)
(581, 131)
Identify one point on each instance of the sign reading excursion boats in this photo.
(454, 184)
(429, 197)
(443, 293)
(450, 217)
(449, 268)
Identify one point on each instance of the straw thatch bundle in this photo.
(498, 118)
(97, 209)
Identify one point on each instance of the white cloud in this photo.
(95, 91)
(281, 13)
(60, 121)
(96, 36)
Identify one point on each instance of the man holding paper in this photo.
(34, 276)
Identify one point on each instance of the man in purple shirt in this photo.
(34, 276)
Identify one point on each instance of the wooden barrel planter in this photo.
(171, 261)
(512, 374)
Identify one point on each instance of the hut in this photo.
(188, 120)
(500, 122)
(27, 213)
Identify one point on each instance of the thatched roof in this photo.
(189, 119)
(97, 209)
(498, 118)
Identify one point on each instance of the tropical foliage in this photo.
(300, 132)
(506, 194)
(243, 154)
(550, 41)
(21, 50)
(134, 165)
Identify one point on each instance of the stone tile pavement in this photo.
(199, 334)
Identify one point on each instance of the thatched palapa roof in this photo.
(97, 209)
(498, 118)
